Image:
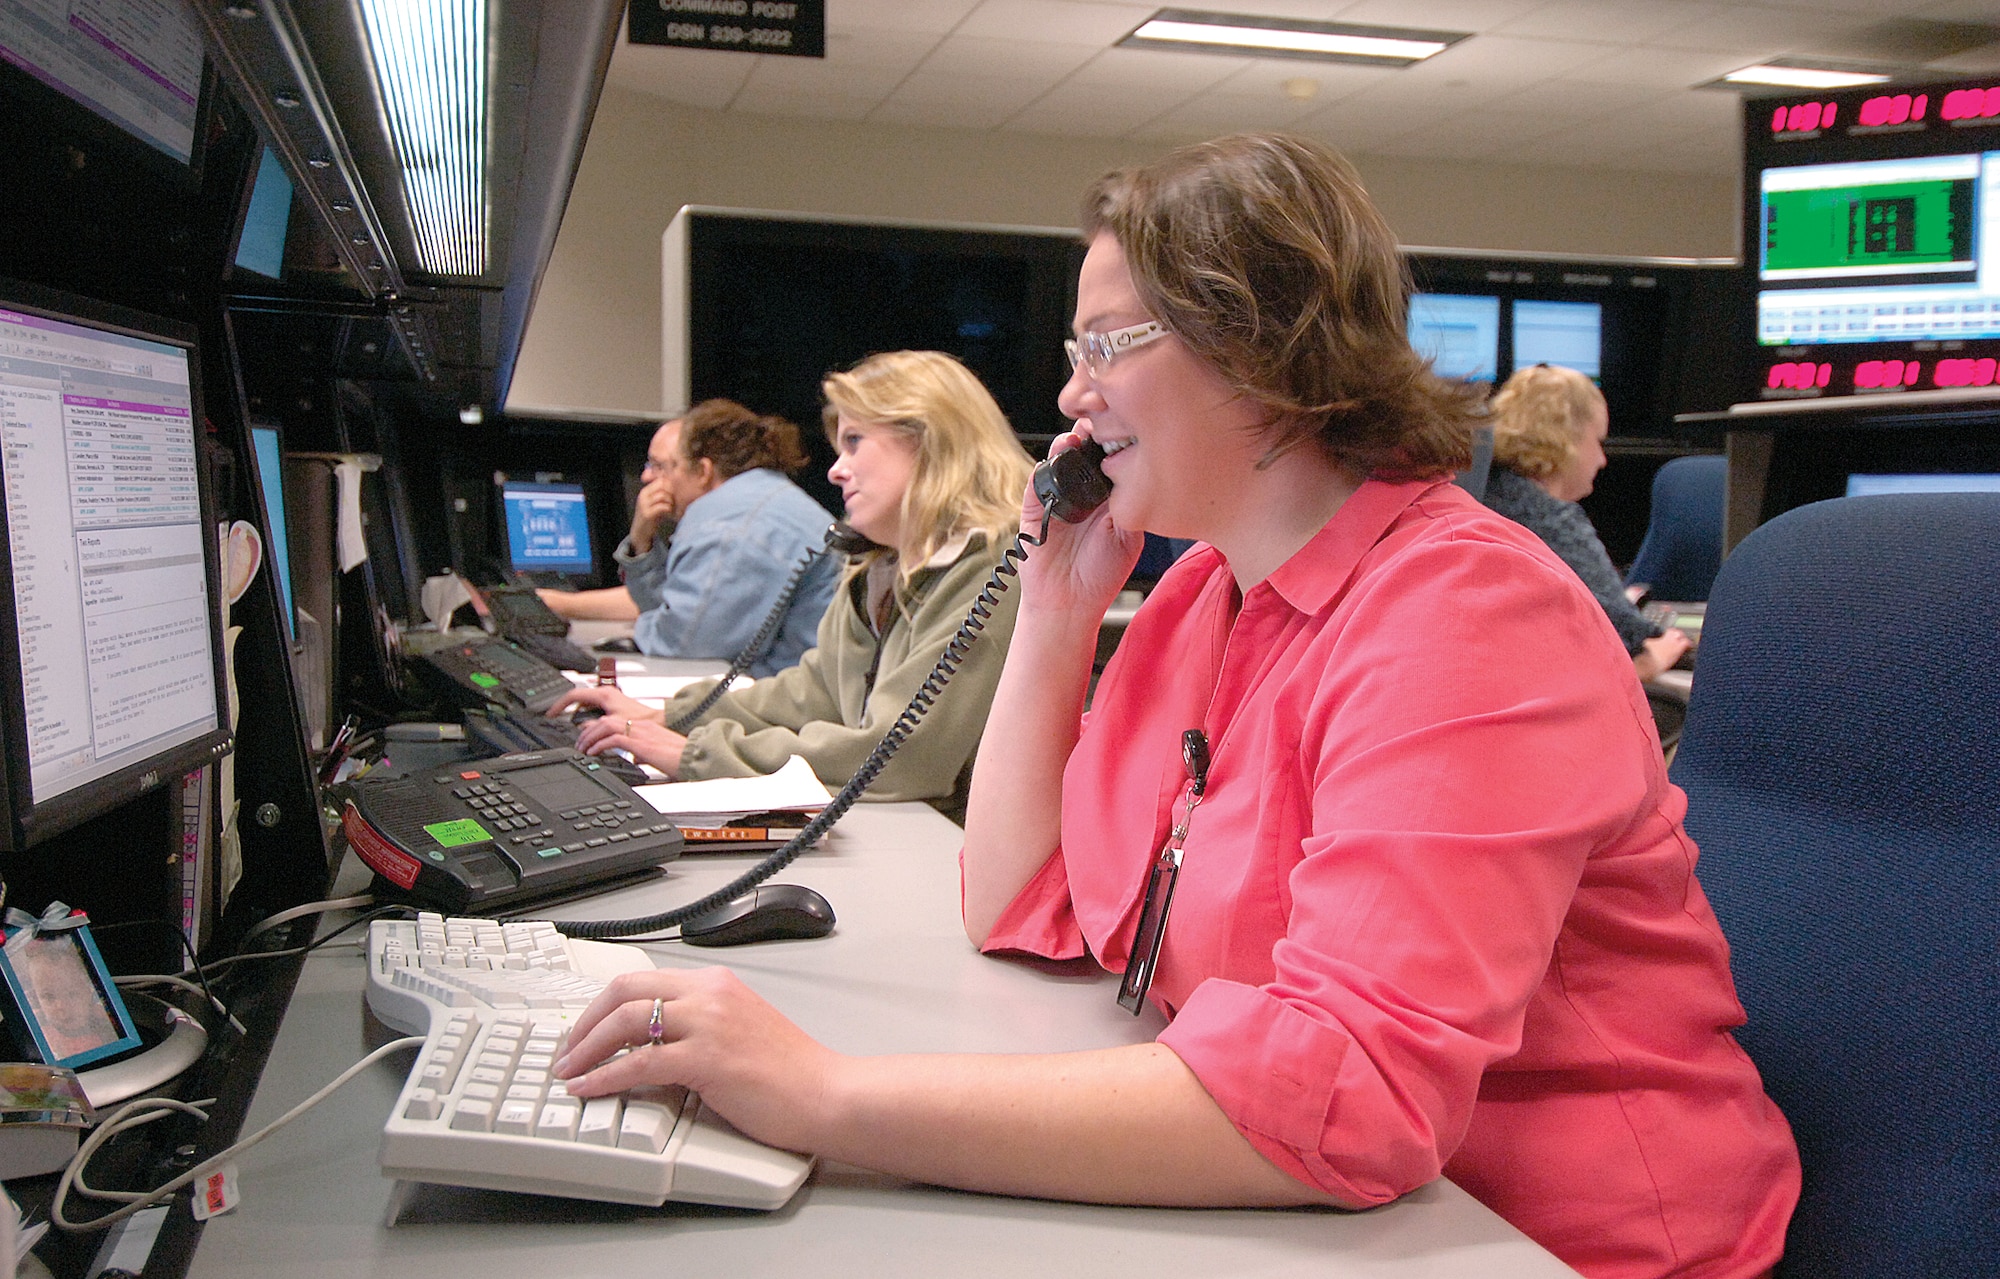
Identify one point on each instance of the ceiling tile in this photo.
(1758, 31)
(903, 49)
(1105, 112)
(986, 56)
(1139, 68)
(1621, 22)
(813, 106)
(1509, 59)
(1439, 15)
(799, 77)
(1655, 68)
(933, 16)
(967, 97)
(1213, 114)
(1055, 21)
(1335, 79)
(692, 77)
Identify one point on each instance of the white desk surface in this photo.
(897, 975)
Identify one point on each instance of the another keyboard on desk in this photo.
(556, 651)
(481, 1107)
(505, 732)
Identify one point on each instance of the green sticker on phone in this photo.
(453, 834)
(484, 680)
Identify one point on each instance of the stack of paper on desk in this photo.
(654, 690)
(741, 812)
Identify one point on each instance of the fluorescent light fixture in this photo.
(430, 67)
(1203, 32)
(1802, 77)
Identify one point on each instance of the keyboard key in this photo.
(599, 1124)
(558, 1121)
(646, 1125)
(516, 1117)
(472, 1114)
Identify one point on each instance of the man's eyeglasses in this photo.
(655, 465)
(1096, 351)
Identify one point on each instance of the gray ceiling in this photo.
(1591, 83)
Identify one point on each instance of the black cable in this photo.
(187, 946)
(759, 643)
(379, 912)
(926, 695)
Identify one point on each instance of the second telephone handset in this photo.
(1072, 484)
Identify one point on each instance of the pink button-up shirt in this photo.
(1437, 912)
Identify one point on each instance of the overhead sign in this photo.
(796, 28)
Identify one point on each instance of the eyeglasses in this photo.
(655, 465)
(1096, 351)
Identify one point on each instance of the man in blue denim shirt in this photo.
(716, 478)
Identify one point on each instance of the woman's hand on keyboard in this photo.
(643, 739)
(758, 1070)
(608, 700)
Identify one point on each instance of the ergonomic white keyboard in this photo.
(494, 1001)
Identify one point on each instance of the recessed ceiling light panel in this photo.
(1796, 74)
(1199, 31)
(430, 66)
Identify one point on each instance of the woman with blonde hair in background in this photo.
(931, 473)
(1549, 425)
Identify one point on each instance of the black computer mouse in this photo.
(770, 913)
(617, 644)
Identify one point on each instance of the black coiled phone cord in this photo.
(926, 695)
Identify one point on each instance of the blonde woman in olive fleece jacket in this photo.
(929, 471)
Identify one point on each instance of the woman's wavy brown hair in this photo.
(737, 440)
(1264, 255)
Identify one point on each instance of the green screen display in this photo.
(455, 834)
(1890, 226)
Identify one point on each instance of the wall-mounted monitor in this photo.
(548, 528)
(759, 307)
(1859, 485)
(267, 219)
(111, 675)
(1872, 226)
(268, 447)
(1569, 334)
(136, 63)
(1458, 333)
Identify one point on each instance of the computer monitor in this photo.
(548, 528)
(268, 452)
(1567, 334)
(1460, 334)
(267, 219)
(111, 671)
(1872, 234)
(1867, 485)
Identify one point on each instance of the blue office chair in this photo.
(1842, 764)
(1683, 546)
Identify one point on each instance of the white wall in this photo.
(593, 340)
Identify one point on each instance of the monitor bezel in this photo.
(29, 822)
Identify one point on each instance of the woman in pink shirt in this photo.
(1433, 910)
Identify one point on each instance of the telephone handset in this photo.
(843, 540)
(1071, 485)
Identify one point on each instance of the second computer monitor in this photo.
(548, 528)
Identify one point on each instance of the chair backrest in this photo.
(1683, 546)
(1841, 759)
